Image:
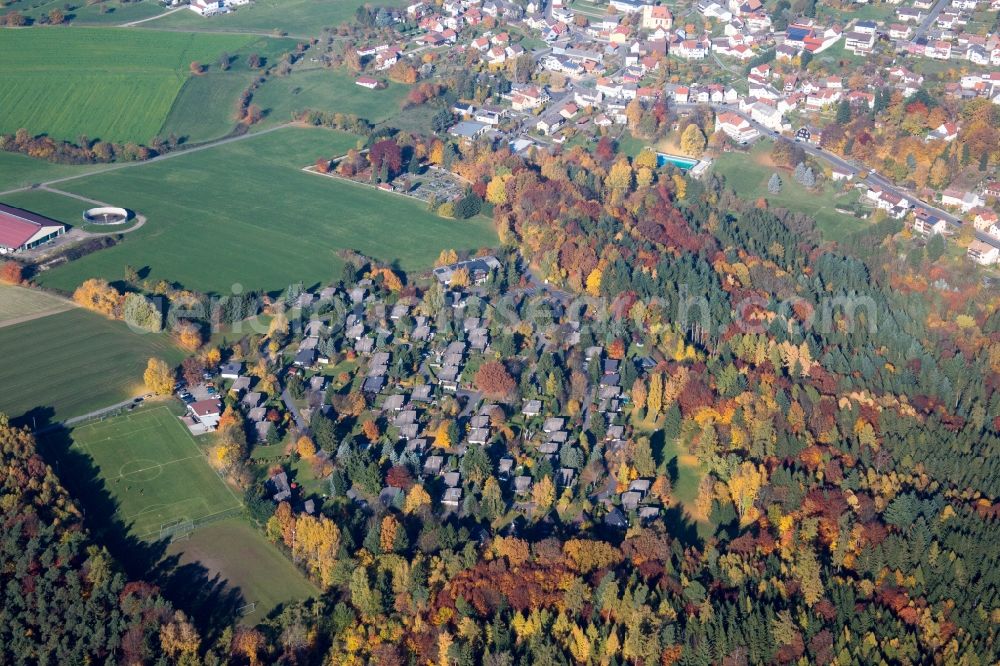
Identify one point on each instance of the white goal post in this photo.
(176, 530)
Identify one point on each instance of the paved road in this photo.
(472, 399)
(92, 415)
(872, 179)
(930, 18)
(159, 158)
(153, 18)
(290, 406)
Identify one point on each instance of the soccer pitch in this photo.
(154, 471)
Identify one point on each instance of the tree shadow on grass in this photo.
(189, 587)
(206, 597)
(681, 527)
(36, 418)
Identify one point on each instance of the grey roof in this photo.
(553, 423)
(433, 464)
(394, 402)
(232, 368)
(373, 384)
(616, 519)
(252, 399)
(467, 129)
(305, 357)
(240, 384)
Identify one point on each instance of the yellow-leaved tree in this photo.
(692, 140)
(496, 191)
(315, 546)
(543, 493)
(442, 439)
(305, 447)
(415, 499)
(446, 257)
(594, 282)
(97, 295)
(159, 377)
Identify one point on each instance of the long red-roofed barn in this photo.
(23, 230)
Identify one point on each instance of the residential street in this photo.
(873, 179)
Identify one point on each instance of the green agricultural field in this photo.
(245, 213)
(240, 555)
(104, 12)
(298, 18)
(54, 206)
(205, 107)
(153, 470)
(115, 84)
(20, 304)
(748, 173)
(72, 363)
(22, 171)
(327, 90)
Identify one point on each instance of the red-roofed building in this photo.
(207, 412)
(22, 230)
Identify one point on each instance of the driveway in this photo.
(300, 422)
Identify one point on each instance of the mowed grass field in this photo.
(19, 303)
(72, 363)
(107, 12)
(22, 171)
(114, 84)
(237, 553)
(327, 90)
(294, 17)
(748, 173)
(50, 204)
(153, 470)
(205, 107)
(245, 212)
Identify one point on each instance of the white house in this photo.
(964, 200)
(207, 7)
(768, 116)
(736, 127)
(982, 253)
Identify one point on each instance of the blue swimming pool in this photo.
(682, 163)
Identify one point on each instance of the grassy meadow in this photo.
(50, 204)
(205, 108)
(103, 12)
(106, 83)
(748, 173)
(294, 17)
(153, 470)
(19, 304)
(240, 555)
(245, 213)
(73, 362)
(327, 90)
(18, 170)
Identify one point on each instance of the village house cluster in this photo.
(416, 372)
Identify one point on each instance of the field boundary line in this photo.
(164, 464)
(204, 520)
(194, 443)
(37, 315)
(116, 166)
(128, 433)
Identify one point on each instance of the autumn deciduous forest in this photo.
(840, 404)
